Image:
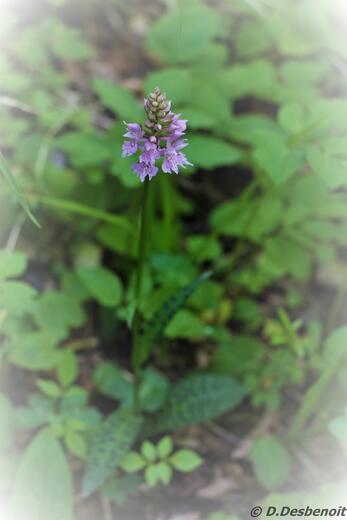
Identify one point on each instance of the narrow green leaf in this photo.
(149, 451)
(152, 475)
(49, 388)
(70, 206)
(7, 423)
(194, 399)
(76, 443)
(110, 444)
(334, 352)
(67, 369)
(165, 447)
(164, 471)
(155, 327)
(5, 170)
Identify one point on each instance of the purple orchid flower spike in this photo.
(160, 139)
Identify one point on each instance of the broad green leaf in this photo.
(211, 99)
(186, 460)
(197, 118)
(132, 462)
(67, 43)
(111, 443)
(175, 82)
(194, 399)
(6, 172)
(43, 487)
(253, 129)
(203, 247)
(111, 382)
(155, 327)
(331, 168)
(278, 161)
(17, 297)
(239, 356)
(292, 117)
(282, 255)
(103, 285)
(84, 150)
(58, 313)
(186, 324)
(252, 38)
(153, 391)
(12, 264)
(184, 33)
(121, 239)
(239, 80)
(33, 351)
(270, 461)
(119, 100)
(209, 152)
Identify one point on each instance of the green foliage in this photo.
(334, 355)
(264, 369)
(158, 461)
(338, 427)
(6, 172)
(110, 444)
(12, 264)
(102, 285)
(117, 99)
(155, 327)
(271, 462)
(185, 33)
(265, 99)
(200, 397)
(210, 153)
(43, 485)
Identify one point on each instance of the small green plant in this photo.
(208, 280)
(159, 461)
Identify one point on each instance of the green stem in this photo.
(136, 354)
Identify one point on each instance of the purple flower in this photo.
(135, 134)
(143, 169)
(159, 139)
(173, 158)
(178, 127)
(150, 152)
(134, 131)
(129, 148)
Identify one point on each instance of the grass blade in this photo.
(5, 170)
